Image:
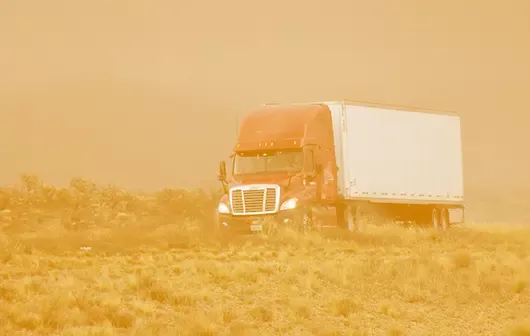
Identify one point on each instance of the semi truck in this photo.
(361, 160)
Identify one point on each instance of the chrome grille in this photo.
(250, 200)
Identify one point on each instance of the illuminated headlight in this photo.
(289, 204)
(223, 208)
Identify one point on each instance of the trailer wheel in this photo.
(444, 219)
(435, 218)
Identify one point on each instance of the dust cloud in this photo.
(147, 94)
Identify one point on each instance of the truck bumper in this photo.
(251, 224)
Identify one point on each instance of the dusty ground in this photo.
(131, 95)
(175, 280)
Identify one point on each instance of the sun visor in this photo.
(269, 145)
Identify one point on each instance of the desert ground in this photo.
(148, 95)
(92, 260)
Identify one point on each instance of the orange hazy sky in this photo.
(145, 94)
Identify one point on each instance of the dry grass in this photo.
(155, 273)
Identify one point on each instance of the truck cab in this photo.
(282, 166)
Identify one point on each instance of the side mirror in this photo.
(222, 171)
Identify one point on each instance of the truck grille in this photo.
(253, 200)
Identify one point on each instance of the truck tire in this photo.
(354, 218)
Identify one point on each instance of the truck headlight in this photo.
(289, 204)
(223, 208)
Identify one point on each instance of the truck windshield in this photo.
(271, 161)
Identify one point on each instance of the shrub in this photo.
(84, 203)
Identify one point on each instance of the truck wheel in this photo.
(354, 218)
(435, 218)
(444, 219)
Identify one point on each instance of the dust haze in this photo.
(147, 94)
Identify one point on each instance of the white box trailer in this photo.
(401, 161)
(397, 155)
